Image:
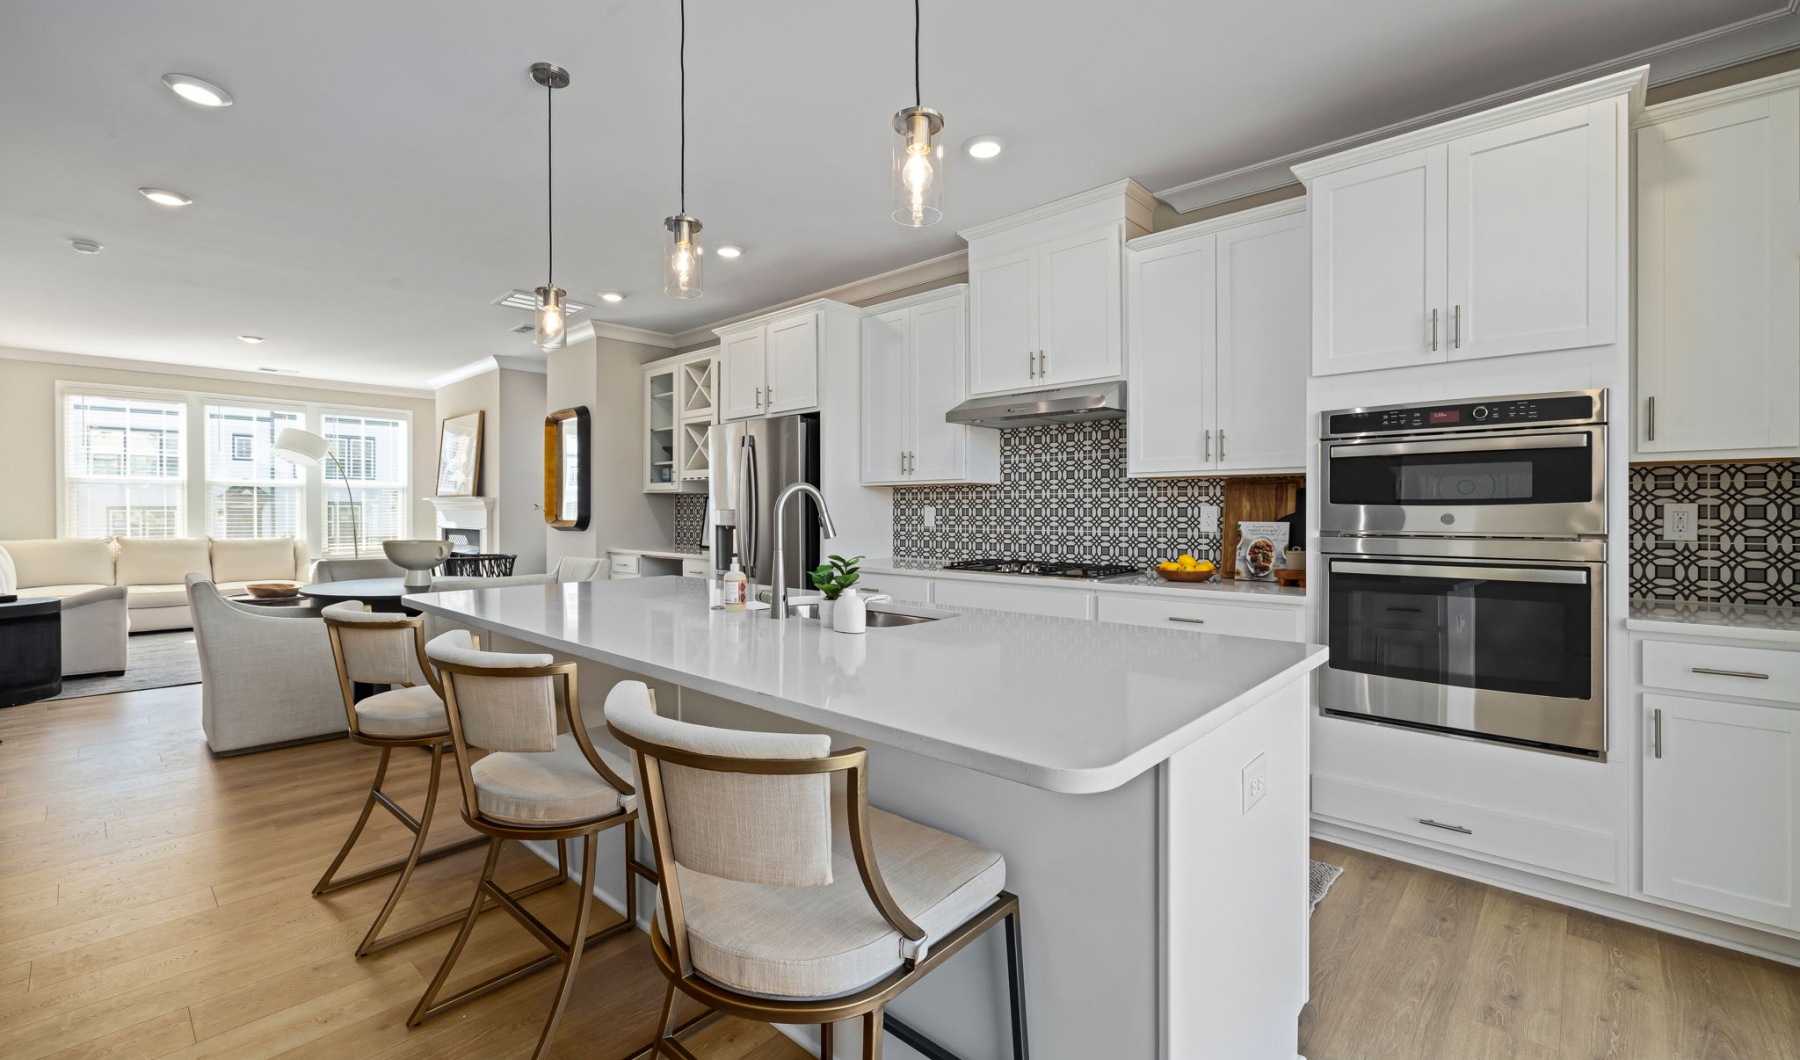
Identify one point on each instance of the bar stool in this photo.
(773, 903)
(389, 649)
(530, 784)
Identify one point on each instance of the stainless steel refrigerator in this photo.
(752, 462)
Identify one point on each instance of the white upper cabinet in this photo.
(1487, 236)
(1718, 274)
(680, 409)
(1046, 291)
(771, 363)
(914, 371)
(1218, 346)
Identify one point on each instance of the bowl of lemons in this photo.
(1185, 568)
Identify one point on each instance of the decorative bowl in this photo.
(1187, 575)
(272, 590)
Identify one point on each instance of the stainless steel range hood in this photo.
(1083, 403)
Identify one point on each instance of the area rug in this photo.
(152, 660)
(1319, 878)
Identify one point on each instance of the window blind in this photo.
(249, 492)
(124, 474)
(374, 455)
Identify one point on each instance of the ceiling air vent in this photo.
(522, 329)
(527, 301)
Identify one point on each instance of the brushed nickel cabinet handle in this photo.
(903, 461)
(1031, 362)
(1221, 443)
(1446, 827)
(1208, 445)
(1434, 315)
(1656, 726)
(1456, 327)
(1189, 621)
(1650, 419)
(1730, 673)
(1043, 363)
(759, 397)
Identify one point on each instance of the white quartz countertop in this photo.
(1061, 704)
(1780, 625)
(661, 552)
(1142, 582)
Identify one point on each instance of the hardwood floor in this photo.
(156, 902)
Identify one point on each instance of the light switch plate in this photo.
(1681, 522)
(929, 514)
(1256, 781)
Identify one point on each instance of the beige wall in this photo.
(28, 444)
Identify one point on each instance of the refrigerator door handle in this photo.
(748, 509)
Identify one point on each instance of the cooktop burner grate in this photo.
(1042, 569)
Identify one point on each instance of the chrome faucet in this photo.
(778, 590)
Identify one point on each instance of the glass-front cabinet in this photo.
(680, 409)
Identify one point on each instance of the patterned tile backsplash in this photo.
(1063, 495)
(1747, 552)
(690, 519)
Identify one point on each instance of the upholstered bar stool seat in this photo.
(557, 787)
(815, 942)
(403, 712)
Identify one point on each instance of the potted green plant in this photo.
(831, 578)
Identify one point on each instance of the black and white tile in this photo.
(1747, 549)
(1063, 495)
(690, 519)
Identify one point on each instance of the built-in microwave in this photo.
(1529, 466)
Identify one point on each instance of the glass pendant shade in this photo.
(552, 318)
(918, 196)
(682, 261)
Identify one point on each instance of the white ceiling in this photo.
(380, 179)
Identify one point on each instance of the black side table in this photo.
(30, 651)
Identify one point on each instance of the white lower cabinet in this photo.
(900, 587)
(1029, 600)
(1203, 616)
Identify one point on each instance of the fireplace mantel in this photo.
(467, 514)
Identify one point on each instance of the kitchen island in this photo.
(1147, 788)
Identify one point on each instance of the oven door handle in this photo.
(1573, 440)
(1492, 574)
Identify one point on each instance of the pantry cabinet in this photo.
(1046, 291)
(1218, 346)
(771, 363)
(1718, 273)
(1488, 236)
(915, 371)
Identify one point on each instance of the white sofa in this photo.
(93, 624)
(151, 571)
(267, 676)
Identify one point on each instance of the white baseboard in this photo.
(1651, 915)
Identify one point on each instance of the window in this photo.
(373, 453)
(122, 466)
(249, 492)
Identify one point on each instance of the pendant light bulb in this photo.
(918, 168)
(682, 261)
(552, 318)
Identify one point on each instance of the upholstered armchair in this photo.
(267, 675)
(345, 570)
(94, 623)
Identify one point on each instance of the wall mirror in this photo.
(567, 469)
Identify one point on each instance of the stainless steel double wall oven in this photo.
(1463, 553)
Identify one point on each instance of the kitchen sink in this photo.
(880, 619)
(882, 615)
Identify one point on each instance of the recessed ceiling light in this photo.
(727, 250)
(162, 197)
(197, 90)
(611, 296)
(982, 148)
(86, 246)
(251, 339)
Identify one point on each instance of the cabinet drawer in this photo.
(1721, 670)
(1467, 829)
(899, 586)
(1203, 616)
(696, 568)
(624, 564)
(1055, 603)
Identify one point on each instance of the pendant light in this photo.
(552, 318)
(681, 258)
(918, 165)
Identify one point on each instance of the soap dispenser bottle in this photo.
(736, 588)
(851, 615)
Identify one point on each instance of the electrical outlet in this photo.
(929, 514)
(1681, 522)
(1209, 518)
(1256, 781)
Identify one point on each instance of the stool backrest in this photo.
(748, 806)
(375, 648)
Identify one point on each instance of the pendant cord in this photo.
(918, 96)
(682, 63)
(550, 186)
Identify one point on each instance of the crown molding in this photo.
(1222, 223)
(537, 365)
(120, 364)
(1127, 189)
(1752, 38)
(1681, 108)
(935, 294)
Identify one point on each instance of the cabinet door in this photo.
(1169, 299)
(1003, 339)
(744, 369)
(1262, 342)
(1533, 235)
(936, 369)
(1721, 796)
(1718, 272)
(793, 378)
(885, 376)
(1378, 264)
(1080, 298)
(662, 432)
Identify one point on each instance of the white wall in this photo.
(512, 455)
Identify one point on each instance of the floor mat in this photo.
(152, 660)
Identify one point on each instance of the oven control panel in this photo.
(1462, 416)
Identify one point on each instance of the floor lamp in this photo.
(304, 447)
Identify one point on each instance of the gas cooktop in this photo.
(1045, 569)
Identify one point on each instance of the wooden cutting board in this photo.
(1253, 500)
